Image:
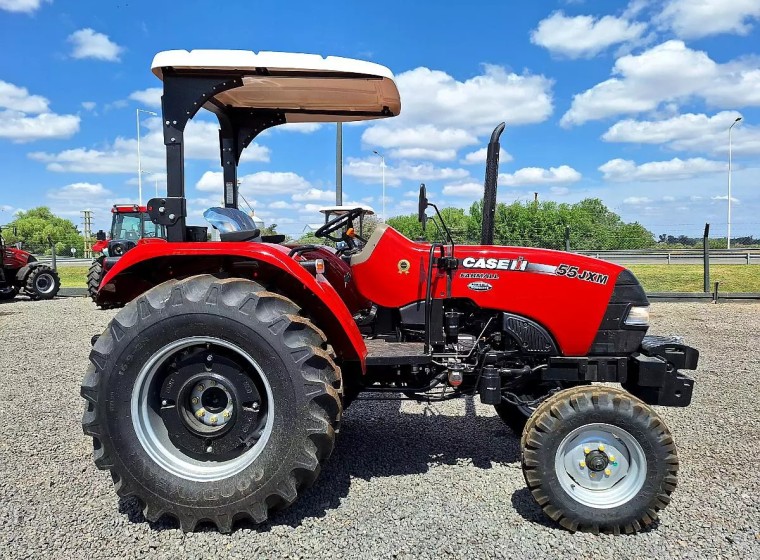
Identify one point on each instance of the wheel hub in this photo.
(211, 403)
(597, 460)
(202, 408)
(600, 465)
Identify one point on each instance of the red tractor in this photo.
(20, 270)
(216, 393)
(129, 224)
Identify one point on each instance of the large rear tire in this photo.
(42, 282)
(599, 459)
(232, 398)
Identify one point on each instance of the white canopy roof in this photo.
(282, 81)
(344, 209)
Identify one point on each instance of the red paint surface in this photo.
(570, 308)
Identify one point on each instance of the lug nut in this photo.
(587, 450)
(201, 387)
(209, 358)
(601, 447)
(211, 383)
(582, 464)
(255, 406)
(194, 400)
(226, 413)
(213, 421)
(201, 413)
(612, 458)
(607, 472)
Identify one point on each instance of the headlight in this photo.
(638, 316)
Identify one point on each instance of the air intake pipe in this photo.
(489, 195)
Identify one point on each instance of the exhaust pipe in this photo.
(489, 194)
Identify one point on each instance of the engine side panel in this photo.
(566, 293)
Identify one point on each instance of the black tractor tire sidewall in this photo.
(645, 427)
(293, 424)
(31, 289)
(94, 276)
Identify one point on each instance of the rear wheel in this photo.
(599, 459)
(232, 397)
(42, 283)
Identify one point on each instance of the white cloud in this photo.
(426, 135)
(443, 114)
(18, 98)
(564, 174)
(370, 171)
(21, 6)
(693, 19)
(636, 200)
(665, 73)
(303, 128)
(262, 183)
(314, 194)
(88, 43)
(81, 192)
(724, 197)
(464, 190)
(150, 96)
(689, 132)
(20, 127)
(583, 36)
(89, 105)
(478, 157)
(25, 117)
(620, 170)
(201, 142)
(421, 154)
(559, 191)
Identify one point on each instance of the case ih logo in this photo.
(495, 264)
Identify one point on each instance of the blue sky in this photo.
(626, 101)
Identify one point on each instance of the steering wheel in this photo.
(337, 223)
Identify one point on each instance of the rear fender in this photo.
(24, 271)
(151, 263)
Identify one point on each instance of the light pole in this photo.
(382, 164)
(139, 165)
(728, 236)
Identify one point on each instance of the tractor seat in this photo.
(242, 235)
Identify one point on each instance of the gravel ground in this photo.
(410, 481)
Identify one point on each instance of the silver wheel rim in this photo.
(44, 283)
(152, 433)
(581, 454)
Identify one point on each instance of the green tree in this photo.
(34, 227)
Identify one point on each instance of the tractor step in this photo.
(381, 352)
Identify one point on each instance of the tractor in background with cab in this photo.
(129, 224)
(217, 393)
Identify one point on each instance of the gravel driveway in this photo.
(408, 481)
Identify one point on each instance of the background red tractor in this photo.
(217, 392)
(129, 224)
(20, 271)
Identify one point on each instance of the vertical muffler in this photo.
(489, 194)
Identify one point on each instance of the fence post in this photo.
(567, 238)
(52, 253)
(706, 258)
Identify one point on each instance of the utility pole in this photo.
(339, 166)
(728, 236)
(87, 232)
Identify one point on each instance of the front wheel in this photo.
(94, 276)
(230, 399)
(8, 292)
(599, 459)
